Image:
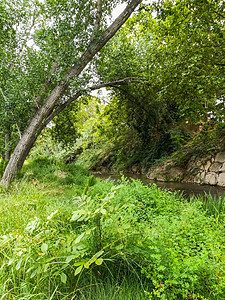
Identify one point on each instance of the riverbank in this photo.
(65, 234)
(188, 189)
(209, 170)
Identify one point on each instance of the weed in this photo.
(89, 239)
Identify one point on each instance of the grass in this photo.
(214, 206)
(67, 235)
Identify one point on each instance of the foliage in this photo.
(179, 70)
(88, 237)
(209, 140)
(3, 164)
(40, 43)
(214, 206)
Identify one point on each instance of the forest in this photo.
(84, 89)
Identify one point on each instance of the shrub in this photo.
(57, 247)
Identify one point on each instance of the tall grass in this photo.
(66, 235)
(213, 206)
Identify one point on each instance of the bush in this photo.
(3, 164)
(107, 238)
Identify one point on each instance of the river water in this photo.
(188, 189)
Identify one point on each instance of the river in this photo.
(188, 189)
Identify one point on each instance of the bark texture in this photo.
(41, 117)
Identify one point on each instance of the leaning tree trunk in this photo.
(36, 125)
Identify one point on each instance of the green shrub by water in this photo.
(67, 235)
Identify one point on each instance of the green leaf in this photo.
(119, 247)
(99, 253)
(99, 261)
(78, 270)
(63, 277)
(103, 211)
(75, 216)
(19, 264)
(78, 239)
(45, 267)
(87, 264)
(120, 230)
(52, 215)
(33, 274)
(44, 248)
(79, 263)
(69, 258)
(11, 261)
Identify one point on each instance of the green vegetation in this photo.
(67, 235)
(164, 69)
(174, 101)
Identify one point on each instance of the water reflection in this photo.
(188, 189)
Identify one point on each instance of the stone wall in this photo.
(209, 170)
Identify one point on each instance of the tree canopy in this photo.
(165, 66)
(66, 35)
(175, 51)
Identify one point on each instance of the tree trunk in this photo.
(36, 125)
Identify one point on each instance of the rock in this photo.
(199, 163)
(207, 165)
(202, 176)
(160, 178)
(135, 169)
(104, 170)
(222, 169)
(176, 172)
(215, 167)
(190, 164)
(197, 179)
(220, 157)
(221, 179)
(152, 175)
(211, 178)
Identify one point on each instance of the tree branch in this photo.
(119, 82)
(116, 83)
(98, 18)
(46, 85)
(97, 44)
(30, 134)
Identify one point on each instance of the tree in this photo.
(72, 37)
(7, 41)
(180, 55)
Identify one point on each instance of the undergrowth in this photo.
(67, 235)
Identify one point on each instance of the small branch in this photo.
(145, 7)
(98, 18)
(17, 126)
(58, 109)
(46, 85)
(116, 83)
(124, 81)
(19, 132)
(219, 14)
(96, 45)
